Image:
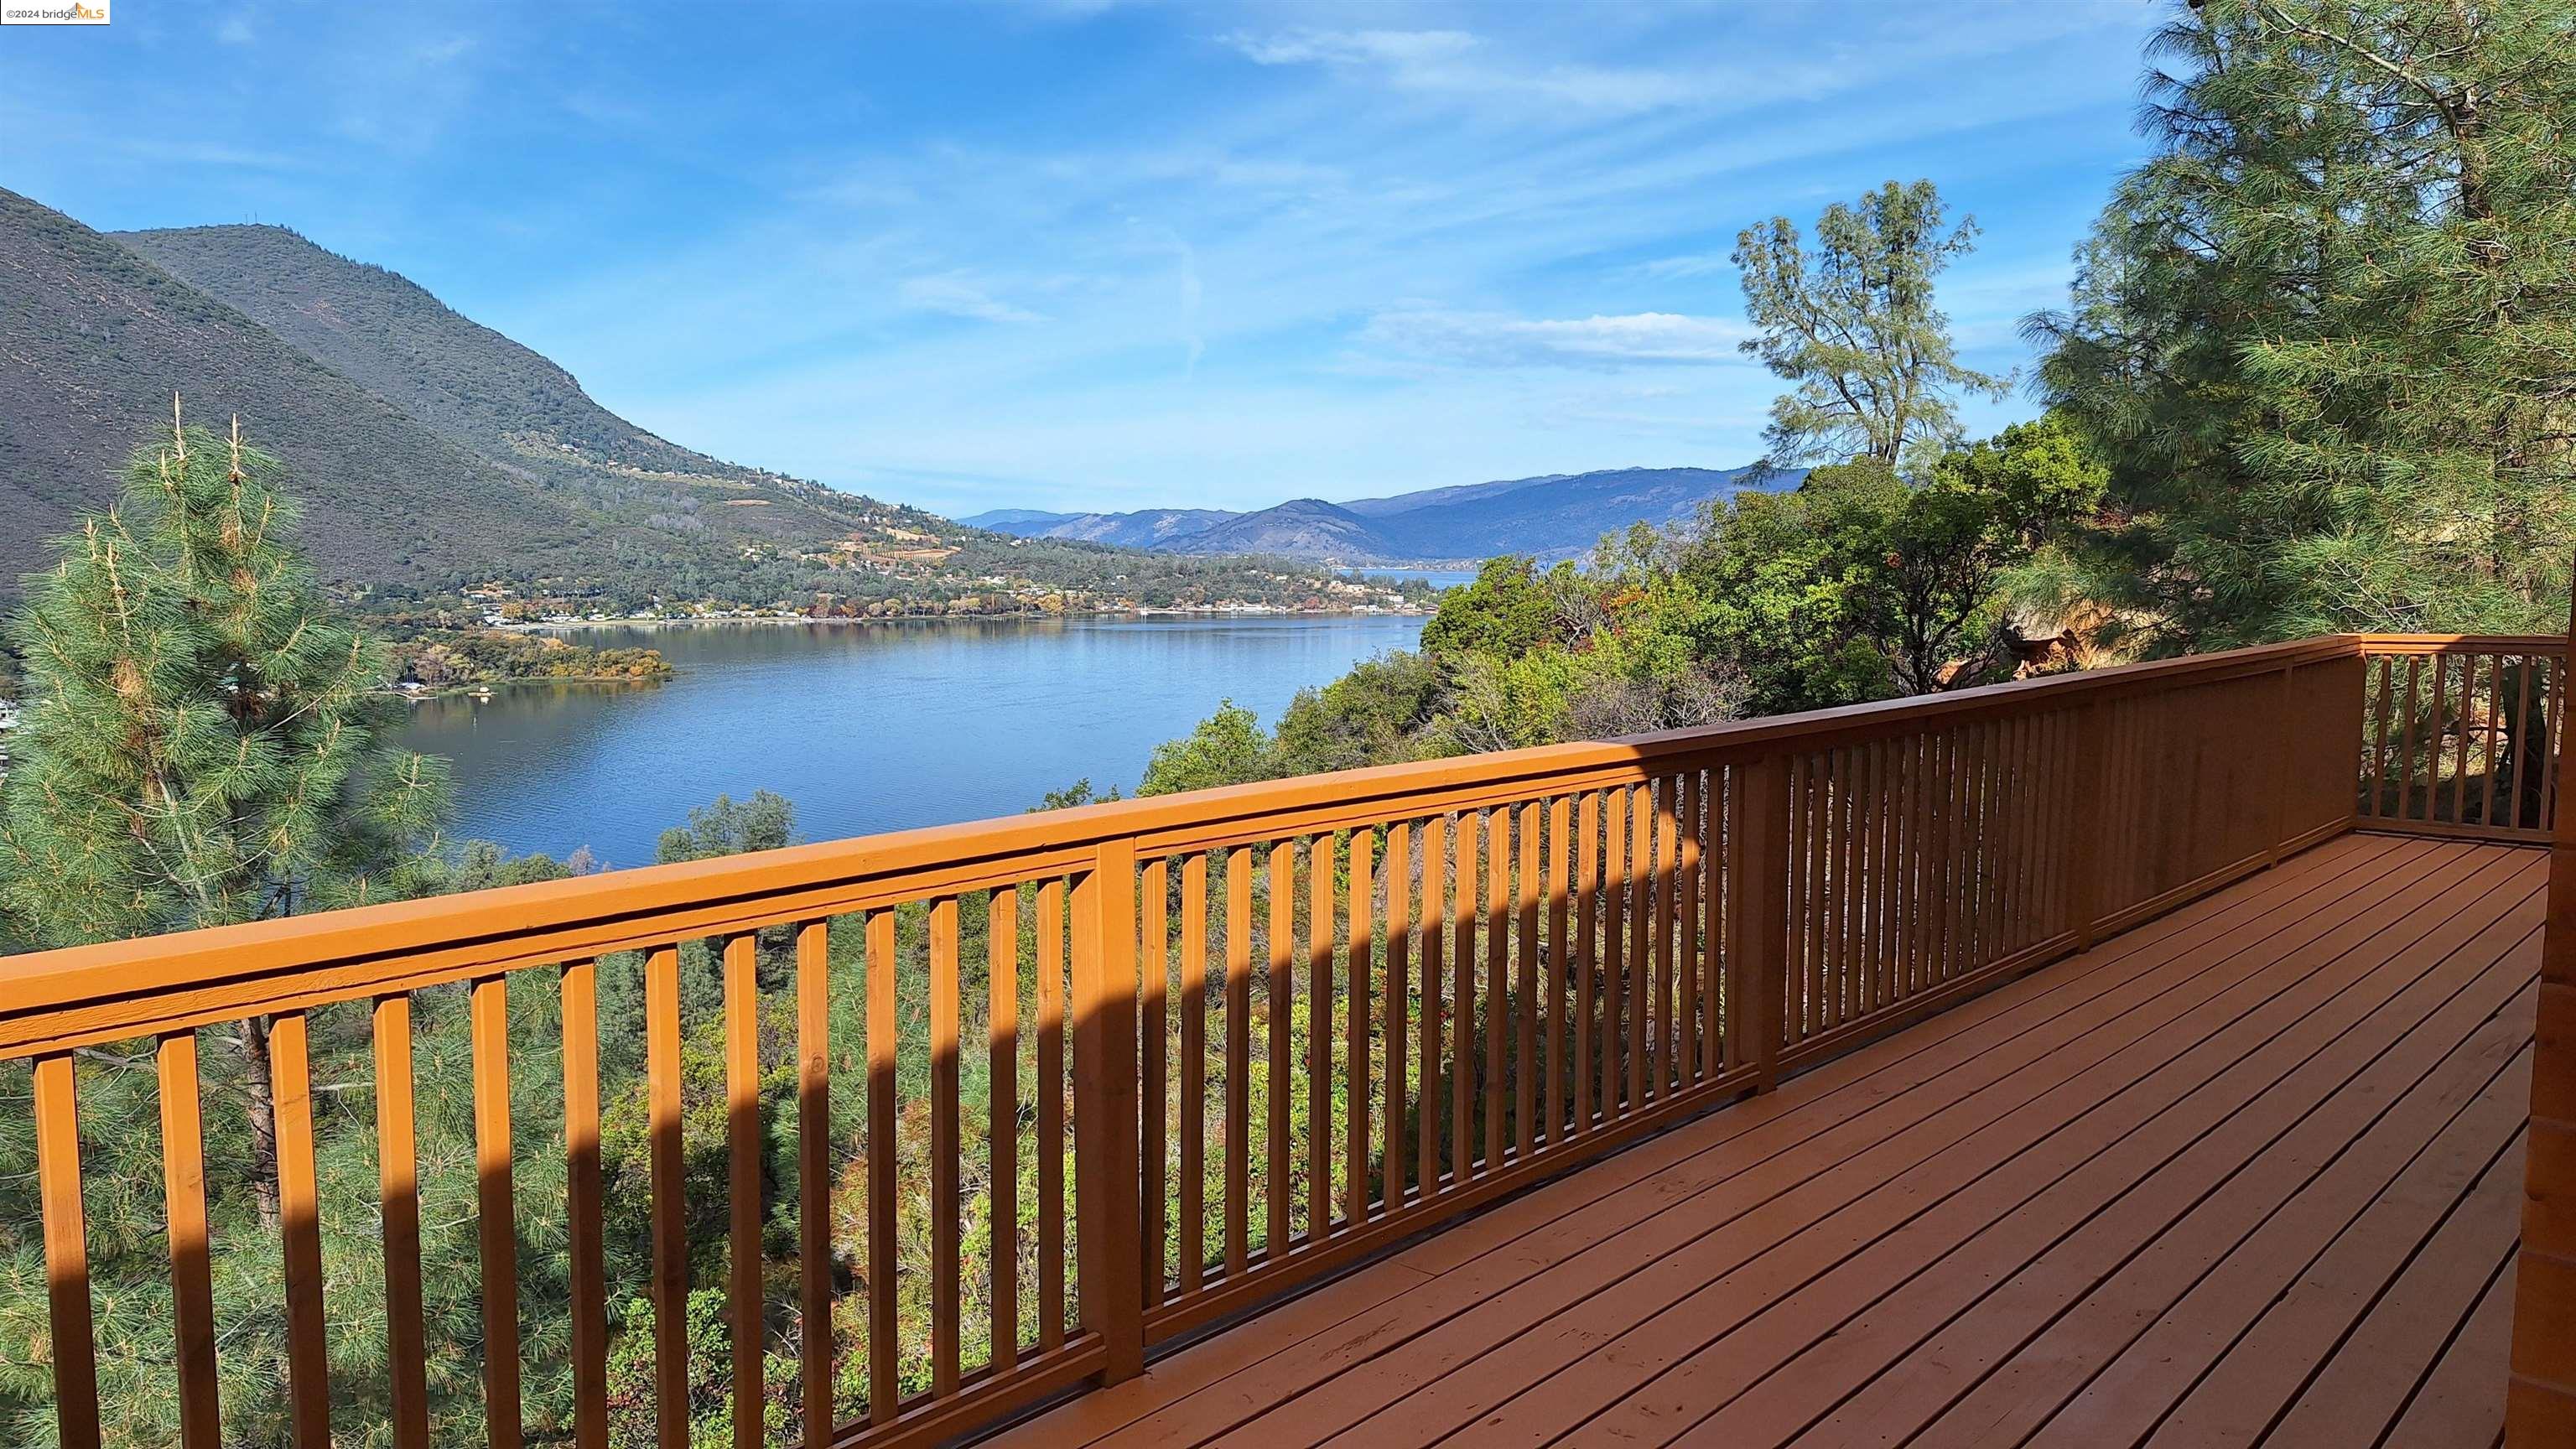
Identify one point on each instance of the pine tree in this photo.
(2326, 335)
(205, 741)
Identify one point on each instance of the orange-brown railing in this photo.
(2463, 733)
(1103, 1076)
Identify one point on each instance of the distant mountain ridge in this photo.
(1551, 516)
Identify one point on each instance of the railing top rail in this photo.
(221, 973)
(2460, 643)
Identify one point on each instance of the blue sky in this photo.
(1102, 254)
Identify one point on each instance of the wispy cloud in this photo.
(957, 297)
(1460, 63)
(1497, 339)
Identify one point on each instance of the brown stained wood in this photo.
(495, 1219)
(1586, 957)
(1498, 999)
(817, 1364)
(1663, 1038)
(1435, 855)
(299, 1214)
(1105, 1082)
(2406, 764)
(1320, 925)
(1279, 1083)
(1193, 1086)
(398, 1204)
(1154, 1055)
(2494, 737)
(1049, 935)
(1689, 961)
(58, 1193)
(1525, 1003)
(1614, 957)
(945, 1149)
(884, 1391)
(1238, 1059)
(1361, 933)
(670, 1268)
(1002, 1046)
(2375, 803)
(183, 1193)
(1399, 993)
(1714, 851)
(1464, 836)
(1560, 827)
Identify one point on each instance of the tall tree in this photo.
(205, 741)
(1853, 325)
(2326, 335)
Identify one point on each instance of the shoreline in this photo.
(573, 625)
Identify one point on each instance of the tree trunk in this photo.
(260, 1104)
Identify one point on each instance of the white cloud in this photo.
(1498, 339)
(955, 297)
(1458, 63)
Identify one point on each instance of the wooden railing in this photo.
(2463, 733)
(992, 1110)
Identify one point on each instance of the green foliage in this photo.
(2326, 334)
(1509, 606)
(1855, 327)
(765, 821)
(204, 743)
(1229, 747)
(1373, 715)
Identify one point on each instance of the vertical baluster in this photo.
(1689, 963)
(1758, 966)
(2460, 766)
(183, 1191)
(1587, 847)
(1462, 1002)
(1050, 1140)
(308, 1359)
(584, 1205)
(1153, 966)
(2554, 722)
(1002, 1049)
(815, 1367)
(1435, 856)
(1105, 1128)
(670, 1247)
(884, 1390)
(2525, 740)
(1711, 835)
(1238, 1058)
(1833, 887)
(1801, 975)
(1194, 931)
(1643, 983)
(398, 1206)
(2377, 776)
(1663, 848)
(1614, 959)
(945, 1149)
(1355, 1051)
(2495, 714)
(743, 1147)
(1918, 862)
(1399, 990)
(58, 1192)
(1875, 871)
(1560, 956)
(1498, 927)
(496, 1226)
(2406, 741)
(1319, 1036)
(1525, 1008)
(1283, 1006)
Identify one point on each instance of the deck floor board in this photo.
(2244, 1174)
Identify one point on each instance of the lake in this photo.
(866, 726)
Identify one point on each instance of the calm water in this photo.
(1436, 578)
(867, 727)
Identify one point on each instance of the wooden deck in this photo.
(2249, 1173)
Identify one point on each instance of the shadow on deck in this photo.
(2249, 1173)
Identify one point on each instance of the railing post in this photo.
(2084, 843)
(2540, 1399)
(1757, 955)
(1107, 1200)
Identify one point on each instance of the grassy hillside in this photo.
(93, 342)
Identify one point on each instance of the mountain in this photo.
(446, 470)
(1149, 528)
(94, 339)
(1552, 516)
(469, 384)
